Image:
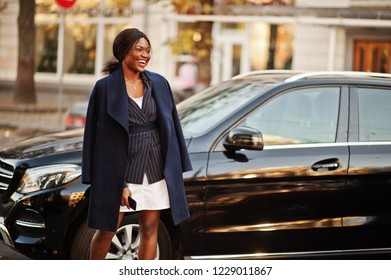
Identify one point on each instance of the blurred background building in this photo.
(228, 37)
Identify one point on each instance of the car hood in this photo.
(44, 145)
(48, 144)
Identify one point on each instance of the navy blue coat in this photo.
(105, 148)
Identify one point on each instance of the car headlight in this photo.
(45, 177)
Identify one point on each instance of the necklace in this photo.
(132, 83)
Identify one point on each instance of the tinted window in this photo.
(204, 110)
(307, 115)
(374, 107)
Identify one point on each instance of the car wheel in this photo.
(125, 243)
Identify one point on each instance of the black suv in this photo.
(285, 164)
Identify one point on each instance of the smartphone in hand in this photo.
(132, 203)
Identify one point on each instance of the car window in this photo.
(374, 107)
(204, 110)
(300, 116)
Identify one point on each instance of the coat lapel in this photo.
(117, 99)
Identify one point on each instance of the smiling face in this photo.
(138, 56)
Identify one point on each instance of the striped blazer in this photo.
(144, 146)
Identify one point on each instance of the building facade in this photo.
(74, 44)
(315, 35)
(319, 35)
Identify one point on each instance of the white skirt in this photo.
(148, 196)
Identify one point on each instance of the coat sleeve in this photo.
(89, 138)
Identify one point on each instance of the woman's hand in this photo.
(125, 194)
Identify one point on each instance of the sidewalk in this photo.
(18, 121)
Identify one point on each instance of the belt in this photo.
(143, 127)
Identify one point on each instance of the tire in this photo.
(125, 244)
(80, 249)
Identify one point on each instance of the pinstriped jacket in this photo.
(105, 148)
(144, 147)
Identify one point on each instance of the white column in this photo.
(164, 51)
(216, 54)
(227, 60)
(332, 48)
(139, 18)
(245, 60)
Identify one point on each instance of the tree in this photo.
(25, 86)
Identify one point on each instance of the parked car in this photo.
(285, 164)
(76, 115)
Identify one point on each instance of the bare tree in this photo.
(25, 86)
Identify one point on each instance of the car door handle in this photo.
(326, 165)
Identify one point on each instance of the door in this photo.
(288, 196)
(372, 56)
(368, 198)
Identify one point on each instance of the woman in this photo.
(133, 147)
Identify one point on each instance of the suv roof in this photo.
(338, 74)
(274, 76)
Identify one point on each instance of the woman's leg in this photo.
(149, 225)
(101, 241)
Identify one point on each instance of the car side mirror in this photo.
(244, 138)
